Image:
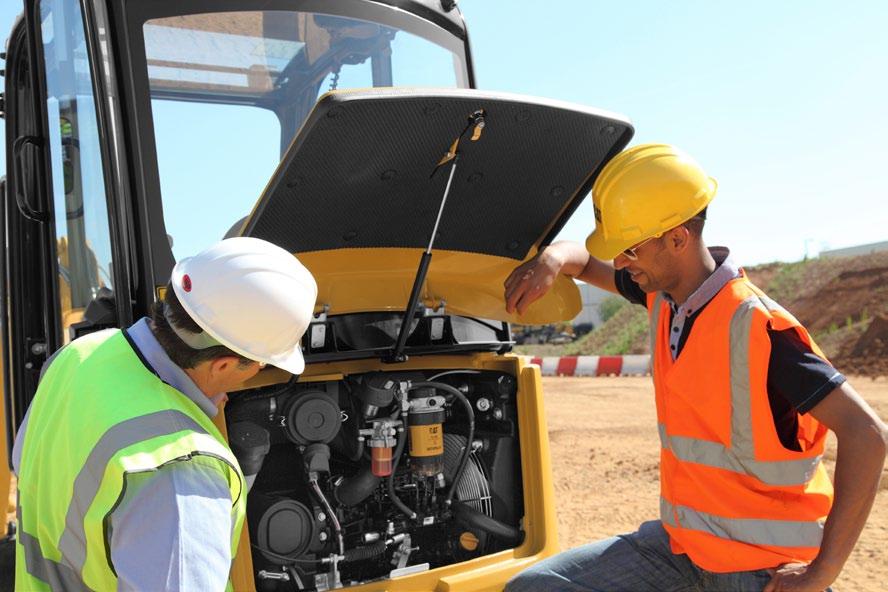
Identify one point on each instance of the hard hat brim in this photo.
(294, 363)
(599, 248)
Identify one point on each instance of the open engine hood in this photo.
(354, 200)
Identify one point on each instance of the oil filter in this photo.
(426, 426)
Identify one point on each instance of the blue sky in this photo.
(784, 103)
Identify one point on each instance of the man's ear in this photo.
(222, 365)
(678, 239)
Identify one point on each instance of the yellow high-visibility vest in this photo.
(99, 414)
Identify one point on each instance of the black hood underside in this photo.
(358, 172)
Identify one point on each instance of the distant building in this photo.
(855, 251)
(592, 298)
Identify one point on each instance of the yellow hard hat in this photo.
(643, 192)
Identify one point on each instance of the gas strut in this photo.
(476, 124)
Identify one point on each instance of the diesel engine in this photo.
(377, 475)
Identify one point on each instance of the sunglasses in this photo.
(632, 252)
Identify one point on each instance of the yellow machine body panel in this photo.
(469, 284)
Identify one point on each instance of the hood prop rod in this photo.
(475, 123)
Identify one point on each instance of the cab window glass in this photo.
(78, 191)
(230, 90)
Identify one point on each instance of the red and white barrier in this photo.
(630, 365)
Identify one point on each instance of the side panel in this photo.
(242, 570)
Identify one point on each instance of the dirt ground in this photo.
(605, 454)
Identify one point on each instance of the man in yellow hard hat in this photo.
(744, 401)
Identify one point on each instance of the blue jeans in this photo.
(632, 562)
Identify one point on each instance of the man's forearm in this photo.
(570, 256)
(859, 463)
(577, 263)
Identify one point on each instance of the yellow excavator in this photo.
(350, 133)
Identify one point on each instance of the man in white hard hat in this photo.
(124, 481)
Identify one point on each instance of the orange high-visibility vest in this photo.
(731, 495)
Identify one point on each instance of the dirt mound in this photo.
(855, 295)
(844, 304)
(869, 354)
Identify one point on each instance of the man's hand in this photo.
(799, 577)
(531, 280)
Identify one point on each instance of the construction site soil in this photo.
(605, 456)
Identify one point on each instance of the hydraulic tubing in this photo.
(366, 552)
(330, 514)
(402, 438)
(471, 435)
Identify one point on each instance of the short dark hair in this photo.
(183, 355)
(695, 224)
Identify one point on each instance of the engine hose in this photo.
(471, 435)
(365, 552)
(358, 453)
(294, 574)
(473, 518)
(402, 438)
(355, 489)
(330, 514)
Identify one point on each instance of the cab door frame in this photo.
(30, 326)
(26, 115)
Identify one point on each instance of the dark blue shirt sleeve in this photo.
(628, 289)
(798, 379)
(797, 374)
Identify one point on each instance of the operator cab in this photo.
(162, 123)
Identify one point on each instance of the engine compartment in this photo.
(377, 475)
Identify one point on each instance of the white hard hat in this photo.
(251, 296)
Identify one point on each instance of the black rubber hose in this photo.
(402, 438)
(468, 449)
(355, 489)
(473, 518)
(359, 452)
(366, 552)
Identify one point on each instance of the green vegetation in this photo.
(626, 332)
(610, 306)
(789, 280)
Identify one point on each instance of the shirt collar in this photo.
(165, 368)
(725, 271)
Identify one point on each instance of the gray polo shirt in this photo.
(724, 273)
(172, 529)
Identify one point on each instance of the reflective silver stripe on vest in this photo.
(713, 454)
(56, 575)
(740, 457)
(755, 531)
(667, 514)
(787, 472)
(72, 544)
